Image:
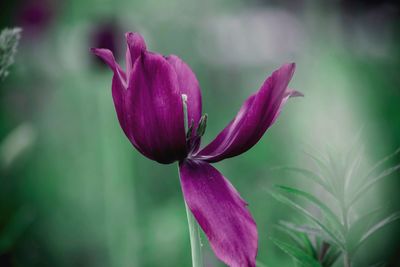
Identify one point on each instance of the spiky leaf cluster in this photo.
(337, 229)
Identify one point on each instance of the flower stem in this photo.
(194, 231)
(346, 260)
(195, 242)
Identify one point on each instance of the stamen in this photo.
(185, 111)
(201, 129)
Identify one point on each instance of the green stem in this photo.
(194, 231)
(344, 209)
(195, 242)
(346, 260)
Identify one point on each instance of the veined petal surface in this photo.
(255, 116)
(155, 109)
(221, 213)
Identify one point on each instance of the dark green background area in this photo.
(74, 192)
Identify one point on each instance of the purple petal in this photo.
(155, 109)
(119, 91)
(255, 116)
(136, 45)
(288, 94)
(189, 86)
(221, 213)
(107, 56)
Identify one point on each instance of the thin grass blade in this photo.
(333, 237)
(372, 182)
(331, 257)
(360, 226)
(330, 215)
(381, 162)
(379, 225)
(298, 254)
(300, 238)
(310, 175)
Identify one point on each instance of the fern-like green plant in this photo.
(337, 230)
(9, 39)
(311, 247)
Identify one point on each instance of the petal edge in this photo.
(255, 116)
(221, 213)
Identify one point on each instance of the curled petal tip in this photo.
(135, 39)
(106, 55)
(95, 50)
(100, 50)
(291, 67)
(294, 93)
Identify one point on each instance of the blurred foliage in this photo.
(336, 226)
(9, 39)
(73, 192)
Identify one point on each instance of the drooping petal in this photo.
(155, 109)
(119, 91)
(118, 85)
(255, 116)
(107, 56)
(189, 86)
(135, 46)
(221, 213)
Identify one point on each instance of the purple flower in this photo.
(149, 106)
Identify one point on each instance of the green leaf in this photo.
(379, 225)
(300, 238)
(337, 240)
(331, 257)
(330, 215)
(372, 182)
(360, 226)
(321, 164)
(298, 254)
(379, 163)
(352, 168)
(326, 167)
(336, 176)
(305, 229)
(295, 236)
(310, 175)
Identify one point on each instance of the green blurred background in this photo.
(73, 192)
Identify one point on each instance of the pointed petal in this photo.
(107, 56)
(118, 84)
(221, 213)
(155, 109)
(255, 116)
(135, 46)
(189, 86)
